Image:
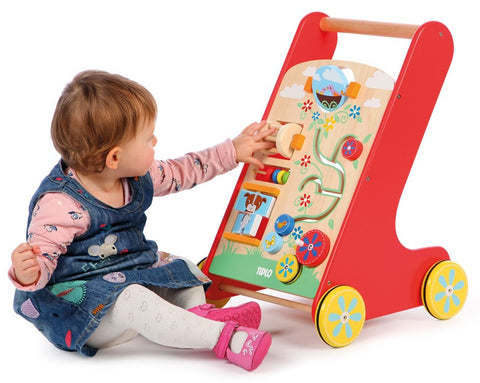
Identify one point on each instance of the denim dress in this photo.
(98, 265)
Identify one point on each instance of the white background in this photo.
(212, 66)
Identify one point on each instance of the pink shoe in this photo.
(253, 351)
(247, 315)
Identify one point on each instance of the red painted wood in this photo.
(367, 254)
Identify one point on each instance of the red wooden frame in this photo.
(367, 254)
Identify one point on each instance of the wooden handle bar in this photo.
(405, 31)
(265, 297)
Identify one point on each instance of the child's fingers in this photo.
(23, 247)
(30, 274)
(30, 264)
(254, 128)
(23, 253)
(253, 161)
(260, 136)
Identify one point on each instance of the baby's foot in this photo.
(247, 315)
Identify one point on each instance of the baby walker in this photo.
(318, 222)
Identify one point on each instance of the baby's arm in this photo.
(194, 168)
(183, 173)
(56, 220)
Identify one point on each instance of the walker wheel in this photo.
(444, 289)
(340, 316)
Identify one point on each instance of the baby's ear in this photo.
(110, 239)
(94, 250)
(113, 158)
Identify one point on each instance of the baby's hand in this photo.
(24, 261)
(250, 141)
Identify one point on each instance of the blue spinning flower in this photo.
(449, 292)
(345, 317)
(310, 246)
(286, 267)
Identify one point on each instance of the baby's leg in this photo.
(185, 298)
(140, 310)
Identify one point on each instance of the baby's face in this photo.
(137, 154)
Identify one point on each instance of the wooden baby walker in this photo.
(318, 222)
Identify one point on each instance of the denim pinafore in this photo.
(98, 265)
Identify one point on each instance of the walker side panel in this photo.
(369, 256)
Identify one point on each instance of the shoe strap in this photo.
(220, 348)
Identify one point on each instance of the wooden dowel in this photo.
(275, 125)
(265, 297)
(405, 31)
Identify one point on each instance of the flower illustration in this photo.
(449, 292)
(354, 111)
(310, 246)
(344, 317)
(305, 200)
(315, 116)
(349, 147)
(297, 232)
(307, 105)
(330, 121)
(305, 160)
(286, 267)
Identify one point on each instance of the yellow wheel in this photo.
(201, 263)
(445, 290)
(217, 303)
(340, 316)
(288, 269)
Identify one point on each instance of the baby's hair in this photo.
(96, 112)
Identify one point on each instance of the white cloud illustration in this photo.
(309, 72)
(332, 75)
(294, 91)
(372, 103)
(380, 80)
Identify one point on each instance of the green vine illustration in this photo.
(328, 122)
(323, 122)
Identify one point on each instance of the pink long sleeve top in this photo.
(168, 176)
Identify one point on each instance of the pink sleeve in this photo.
(194, 168)
(56, 220)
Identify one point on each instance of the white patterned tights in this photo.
(159, 315)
